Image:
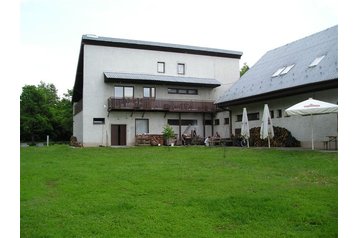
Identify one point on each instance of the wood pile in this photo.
(74, 142)
(149, 139)
(282, 138)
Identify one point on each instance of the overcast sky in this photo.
(50, 31)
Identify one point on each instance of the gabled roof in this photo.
(287, 68)
(159, 79)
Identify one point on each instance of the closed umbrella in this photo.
(266, 130)
(311, 107)
(245, 129)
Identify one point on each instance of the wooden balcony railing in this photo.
(152, 104)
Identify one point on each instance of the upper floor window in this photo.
(161, 67)
(183, 91)
(181, 68)
(148, 92)
(123, 92)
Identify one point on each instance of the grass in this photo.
(178, 192)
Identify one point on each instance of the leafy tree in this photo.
(43, 113)
(244, 69)
(34, 114)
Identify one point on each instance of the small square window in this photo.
(161, 67)
(226, 120)
(217, 121)
(181, 68)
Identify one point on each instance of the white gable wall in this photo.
(99, 59)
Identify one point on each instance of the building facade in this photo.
(306, 68)
(125, 87)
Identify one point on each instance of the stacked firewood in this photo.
(282, 138)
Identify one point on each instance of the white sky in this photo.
(51, 30)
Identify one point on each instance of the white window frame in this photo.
(287, 69)
(181, 68)
(161, 67)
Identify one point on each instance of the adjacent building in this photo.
(285, 76)
(124, 88)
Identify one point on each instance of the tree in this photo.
(43, 113)
(244, 69)
(34, 114)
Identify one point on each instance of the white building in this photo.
(285, 76)
(127, 87)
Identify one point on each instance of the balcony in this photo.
(152, 104)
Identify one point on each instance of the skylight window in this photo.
(277, 73)
(282, 71)
(288, 68)
(316, 61)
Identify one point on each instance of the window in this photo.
(279, 113)
(123, 92)
(148, 92)
(182, 91)
(239, 117)
(181, 68)
(141, 126)
(217, 121)
(272, 114)
(98, 121)
(253, 116)
(208, 122)
(277, 73)
(316, 61)
(161, 67)
(226, 120)
(184, 122)
(287, 69)
(282, 71)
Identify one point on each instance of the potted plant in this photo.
(168, 135)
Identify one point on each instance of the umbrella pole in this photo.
(312, 132)
(269, 142)
(247, 141)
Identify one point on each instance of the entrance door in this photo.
(118, 134)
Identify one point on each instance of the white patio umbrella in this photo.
(245, 129)
(312, 107)
(266, 130)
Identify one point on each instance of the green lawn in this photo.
(178, 192)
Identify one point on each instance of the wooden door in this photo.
(118, 134)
